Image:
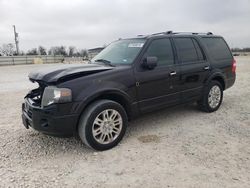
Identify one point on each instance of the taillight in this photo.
(233, 66)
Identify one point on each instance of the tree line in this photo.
(71, 51)
(240, 49)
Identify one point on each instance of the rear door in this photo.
(156, 88)
(194, 67)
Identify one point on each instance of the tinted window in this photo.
(217, 48)
(186, 50)
(198, 50)
(162, 49)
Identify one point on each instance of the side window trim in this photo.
(174, 49)
(204, 58)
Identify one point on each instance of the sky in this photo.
(94, 23)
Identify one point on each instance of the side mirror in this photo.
(150, 62)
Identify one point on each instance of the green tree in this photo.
(33, 51)
(7, 50)
(42, 50)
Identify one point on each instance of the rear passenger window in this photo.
(162, 49)
(187, 51)
(217, 48)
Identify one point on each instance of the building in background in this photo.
(94, 51)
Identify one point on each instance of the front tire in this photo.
(103, 125)
(212, 97)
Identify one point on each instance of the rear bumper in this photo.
(49, 120)
(230, 82)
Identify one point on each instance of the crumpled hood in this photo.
(59, 73)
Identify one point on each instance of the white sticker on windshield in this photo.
(135, 45)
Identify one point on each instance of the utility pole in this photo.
(16, 40)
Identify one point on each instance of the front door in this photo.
(157, 88)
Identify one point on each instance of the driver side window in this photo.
(162, 49)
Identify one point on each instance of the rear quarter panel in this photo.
(221, 67)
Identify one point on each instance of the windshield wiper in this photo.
(106, 62)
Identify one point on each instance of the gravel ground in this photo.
(177, 147)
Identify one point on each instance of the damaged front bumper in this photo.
(56, 119)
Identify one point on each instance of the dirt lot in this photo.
(180, 147)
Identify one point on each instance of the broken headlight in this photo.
(53, 95)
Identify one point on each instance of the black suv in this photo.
(129, 77)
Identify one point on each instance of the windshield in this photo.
(120, 52)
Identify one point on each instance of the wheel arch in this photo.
(114, 95)
(218, 77)
(118, 97)
(221, 80)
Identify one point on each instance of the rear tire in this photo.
(103, 125)
(212, 97)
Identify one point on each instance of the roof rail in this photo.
(194, 33)
(160, 33)
(176, 33)
(163, 33)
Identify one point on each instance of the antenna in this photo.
(16, 39)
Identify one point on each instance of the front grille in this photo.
(36, 96)
(29, 112)
(27, 108)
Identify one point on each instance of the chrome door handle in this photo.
(206, 68)
(172, 73)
